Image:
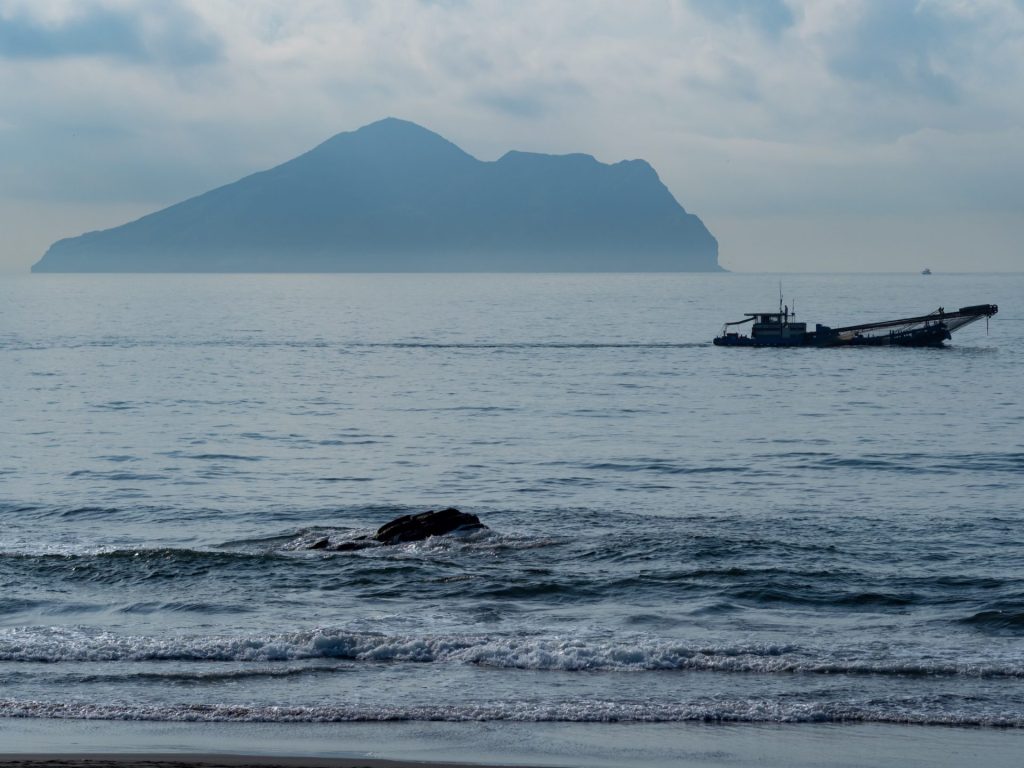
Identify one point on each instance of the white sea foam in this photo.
(530, 652)
(484, 539)
(583, 711)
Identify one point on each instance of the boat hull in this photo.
(731, 340)
(932, 336)
(923, 337)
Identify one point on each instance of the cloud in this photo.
(164, 33)
(532, 99)
(900, 46)
(772, 17)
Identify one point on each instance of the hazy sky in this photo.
(826, 135)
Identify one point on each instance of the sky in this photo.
(809, 135)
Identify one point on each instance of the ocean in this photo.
(675, 532)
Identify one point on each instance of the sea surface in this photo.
(676, 532)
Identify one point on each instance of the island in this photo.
(393, 196)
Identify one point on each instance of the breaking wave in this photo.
(908, 711)
(638, 654)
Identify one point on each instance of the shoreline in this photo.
(41, 743)
(210, 760)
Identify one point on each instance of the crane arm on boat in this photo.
(969, 314)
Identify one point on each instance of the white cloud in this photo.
(167, 33)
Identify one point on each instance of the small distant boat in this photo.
(926, 271)
(780, 329)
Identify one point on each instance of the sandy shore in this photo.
(56, 760)
(41, 743)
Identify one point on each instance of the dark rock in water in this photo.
(426, 524)
(407, 528)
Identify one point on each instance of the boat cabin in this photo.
(776, 326)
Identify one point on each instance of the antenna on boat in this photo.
(780, 297)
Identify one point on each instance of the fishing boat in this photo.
(926, 271)
(780, 329)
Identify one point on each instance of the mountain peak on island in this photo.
(393, 196)
(395, 127)
(393, 133)
(389, 141)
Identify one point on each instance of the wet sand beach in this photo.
(204, 761)
(103, 744)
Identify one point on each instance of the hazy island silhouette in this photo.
(393, 196)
